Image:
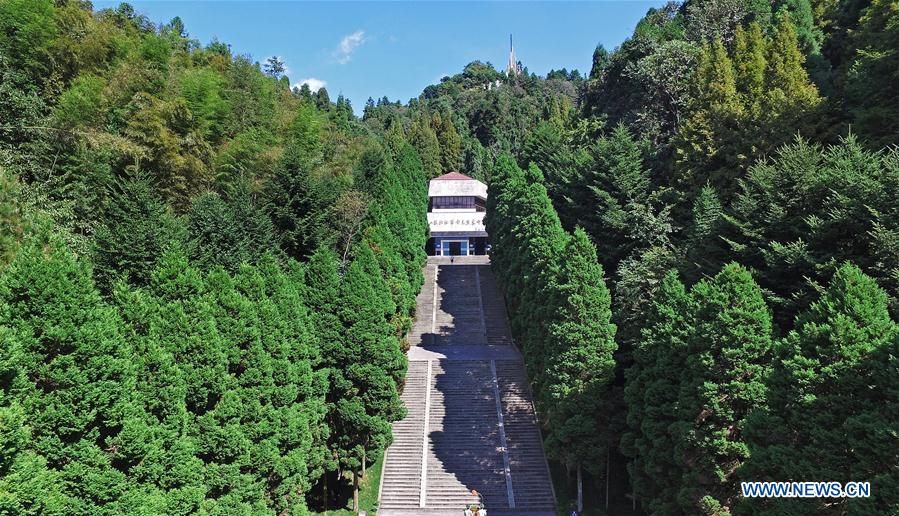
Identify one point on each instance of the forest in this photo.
(206, 277)
(206, 274)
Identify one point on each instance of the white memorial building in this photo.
(456, 209)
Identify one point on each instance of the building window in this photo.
(453, 203)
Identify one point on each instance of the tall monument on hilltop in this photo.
(512, 68)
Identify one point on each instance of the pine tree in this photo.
(651, 394)
(450, 142)
(619, 182)
(832, 397)
(802, 213)
(546, 148)
(371, 365)
(750, 64)
(600, 61)
(11, 223)
(728, 349)
(171, 463)
(322, 289)
(809, 34)
(424, 139)
(281, 397)
(705, 247)
(703, 144)
(716, 80)
(580, 364)
(299, 195)
(77, 394)
(540, 241)
(137, 229)
(27, 485)
(871, 88)
(788, 87)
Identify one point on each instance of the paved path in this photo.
(471, 422)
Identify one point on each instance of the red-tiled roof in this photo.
(452, 176)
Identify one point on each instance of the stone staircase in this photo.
(401, 477)
(495, 317)
(422, 328)
(471, 423)
(464, 449)
(459, 318)
(530, 476)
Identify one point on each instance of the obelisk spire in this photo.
(512, 68)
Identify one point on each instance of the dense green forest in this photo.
(206, 275)
(735, 166)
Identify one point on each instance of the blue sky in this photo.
(373, 49)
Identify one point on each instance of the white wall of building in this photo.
(462, 187)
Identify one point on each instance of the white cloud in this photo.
(348, 45)
(314, 84)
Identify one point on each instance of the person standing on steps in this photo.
(476, 509)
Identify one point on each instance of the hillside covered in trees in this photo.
(697, 244)
(206, 275)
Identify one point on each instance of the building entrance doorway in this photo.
(454, 248)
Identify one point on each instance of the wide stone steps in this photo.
(464, 451)
(401, 483)
(458, 317)
(424, 303)
(453, 430)
(495, 317)
(530, 476)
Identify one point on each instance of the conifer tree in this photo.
(77, 394)
(228, 233)
(701, 143)
(281, 398)
(705, 246)
(539, 243)
(619, 182)
(600, 61)
(809, 34)
(161, 386)
(322, 288)
(580, 364)
(832, 398)
(298, 196)
(26, 484)
(11, 223)
(871, 87)
(750, 63)
(728, 352)
(545, 147)
(651, 394)
(367, 367)
(137, 230)
(450, 142)
(788, 87)
(800, 214)
(183, 326)
(424, 139)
